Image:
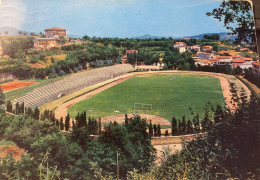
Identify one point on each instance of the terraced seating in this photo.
(71, 83)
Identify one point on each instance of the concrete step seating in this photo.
(72, 83)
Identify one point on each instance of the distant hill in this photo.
(223, 36)
(10, 30)
(147, 36)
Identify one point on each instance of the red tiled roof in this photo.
(248, 59)
(131, 51)
(55, 29)
(238, 61)
(204, 61)
(224, 57)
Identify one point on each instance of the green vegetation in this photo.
(75, 155)
(169, 94)
(211, 36)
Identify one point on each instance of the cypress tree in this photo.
(189, 127)
(99, 126)
(61, 124)
(174, 126)
(219, 114)
(166, 133)
(9, 106)
(151, 129)
(159, 133)
(84, 119)
(57, 123)
(196, 123)
(183, 125)
(36, 114)
(95, 127)
(67, 122)
(155, 130)
(126, 120)
(21, 107)
(17, 108)
(29, 111)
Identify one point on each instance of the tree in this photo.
(61, 124)
(126, 120)
(159, 133)
(166, 133)
(86, 37)
(17, 108)
(9, 106)
(2, 97)
(240, 14)
(174, 126)
(36, 113)
(151, 129)
(21, 108)
(67, 122)
(212, 36)
(155, 130)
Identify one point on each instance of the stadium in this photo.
(111, 92)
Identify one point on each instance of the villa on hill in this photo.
(52, 35)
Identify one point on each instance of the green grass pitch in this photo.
(170, 95)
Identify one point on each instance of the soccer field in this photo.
(170, 95)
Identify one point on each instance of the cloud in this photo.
(12, 14)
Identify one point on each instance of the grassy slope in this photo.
(169, 94)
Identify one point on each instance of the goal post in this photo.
(140, 106)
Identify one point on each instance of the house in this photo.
(131, 52)
(55, 32)
(243, 63)
(204, 55)
(207, 48)
(255, 67)
(195, 47)
(224, 57)
(224, 62)
(203, 62)
(181, 46)
(45, 43)
(52, 35)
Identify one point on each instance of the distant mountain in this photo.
(147, 36)
(223, 36)
(10, 30)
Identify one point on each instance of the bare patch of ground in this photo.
(11, 149)
(120, 118)
(173, 148)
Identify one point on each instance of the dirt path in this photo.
(61, 111)
(120, 118)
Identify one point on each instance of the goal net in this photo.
(140, 106)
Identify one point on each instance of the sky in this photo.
(112, 18)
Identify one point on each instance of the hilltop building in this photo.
(55, 32)
(52, 35)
